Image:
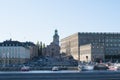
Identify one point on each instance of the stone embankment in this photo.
(35, 68)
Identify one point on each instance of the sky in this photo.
(36, 20)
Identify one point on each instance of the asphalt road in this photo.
(61, 75)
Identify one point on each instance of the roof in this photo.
(16, 43)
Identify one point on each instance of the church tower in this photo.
(56, 38)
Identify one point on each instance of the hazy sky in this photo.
(36, 20)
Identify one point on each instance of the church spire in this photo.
(56, 38)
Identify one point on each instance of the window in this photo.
(52, 49)
(106, 40)
(2, 44)
(111, 40)
(111, 44)
(107, 45)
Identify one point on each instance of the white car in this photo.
(25, 68)
(55, 68)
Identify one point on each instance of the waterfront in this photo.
(60, 75)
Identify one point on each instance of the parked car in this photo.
(55, 68)
(25, 68)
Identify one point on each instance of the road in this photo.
(61, 75)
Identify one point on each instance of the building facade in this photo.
(15, 52)
(105, 44)
(91, 52)
(33, 49)
(70, 45)
(52, 50)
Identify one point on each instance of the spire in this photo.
(56, 32)
(56, 38)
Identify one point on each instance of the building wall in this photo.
(97, 51)
(14, 53)
(92, 52)
(69, 45)
(33, 51)
(85, 53)
(108, 44)
(52, 50)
